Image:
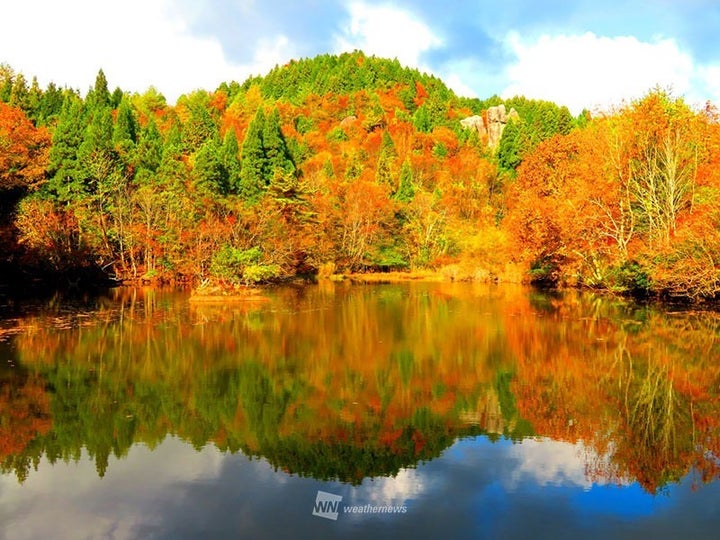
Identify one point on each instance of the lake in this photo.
(418, 410)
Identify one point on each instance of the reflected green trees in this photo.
(344, 382)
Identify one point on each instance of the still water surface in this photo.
(433, 410)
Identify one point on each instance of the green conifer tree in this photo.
(99, 96)
(19, 96)
(421, 119)
(231, 160)
(406, 188)
(64, 168)
(253, 163)
(172, 171)
(386, 162)
(51, 103)
(509, 148)
(98, 134)
(278, 161)
(7, 74)
(34, 102)
(209, 172)
(200, 126)
(125, 129)
(116, 97)
(149, 149)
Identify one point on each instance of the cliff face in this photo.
(491, 124)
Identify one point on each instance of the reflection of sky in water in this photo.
(475, 489)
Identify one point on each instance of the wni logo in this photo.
(327, 505)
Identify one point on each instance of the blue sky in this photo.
(581, 53)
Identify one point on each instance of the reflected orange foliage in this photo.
(24, 413)
(642, 393)
(396, 368)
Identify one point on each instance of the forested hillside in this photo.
(354, 163)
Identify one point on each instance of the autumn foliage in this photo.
(23, 150)
(355, 163)
(628, 202)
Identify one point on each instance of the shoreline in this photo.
(256, 293)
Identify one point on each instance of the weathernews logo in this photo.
(329, 506)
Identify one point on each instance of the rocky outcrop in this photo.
(487, 414)
(497, 115)
(497, 119)
(348, 121)
(493, 123)
(475, 123)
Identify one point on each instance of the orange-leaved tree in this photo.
(624, 201)
(23, 150)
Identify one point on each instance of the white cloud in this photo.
(558, 463)
(458, 85)
(407, 484)
(549, 462)
(589, 70)
(386, 31)
(75, 503)
(136, 43)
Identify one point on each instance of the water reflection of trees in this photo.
(271, 381)
(347, 382)
(24, 417)
(637, 384)
(659, 426)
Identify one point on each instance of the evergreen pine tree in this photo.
(277, 156)
(509, 148)
(231, 160)
(150, 146)
(99, 96)
(421, 119)
(125, 130)
(209, 173)
(6, 82)
(96, 156)
(583, 118)
(173, 143)
(64, 168)
(19, 96)
(34, 102)
(51, 104)
(406, 189)
(386, 161)
(116, 97)
(407, 96)
(565, 121)
(252, 163)
(149, 149)
(200, 126)
(172, 171)
(98, 134)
